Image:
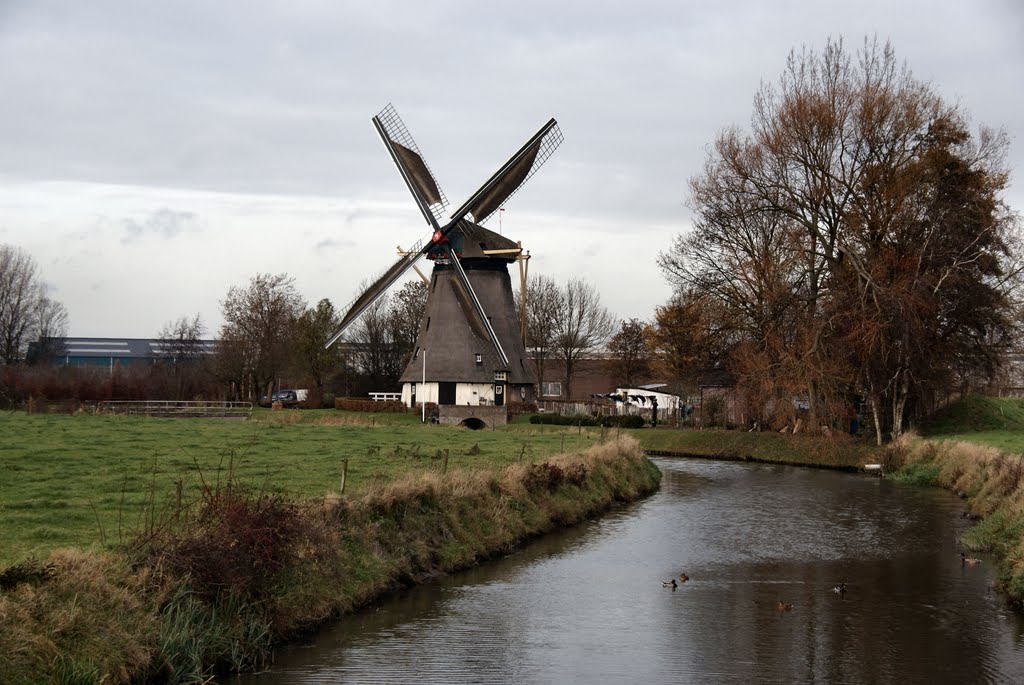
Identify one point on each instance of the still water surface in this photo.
(587, 605)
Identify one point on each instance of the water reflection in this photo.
(587, 605)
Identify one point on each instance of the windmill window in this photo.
(479, 359)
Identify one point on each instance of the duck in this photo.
(970, 561)
(683, 577)
(670, 583)
(782, 606)
(840, 589)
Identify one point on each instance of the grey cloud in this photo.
(163, 223)
(331, 244)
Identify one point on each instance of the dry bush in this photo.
(238, 541)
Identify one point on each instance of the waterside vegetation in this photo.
(975, 448)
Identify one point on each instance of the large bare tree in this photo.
(259, 330)
(855, 238)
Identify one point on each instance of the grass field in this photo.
(87, 480)
(992, 421)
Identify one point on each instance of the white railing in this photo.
(177, 409)
(385, 396)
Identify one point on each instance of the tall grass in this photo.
(992, 484)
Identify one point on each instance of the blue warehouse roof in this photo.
(73, 351)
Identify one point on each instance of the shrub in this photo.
(624, 421)
(238, 541)
(517, 408)
(560, 420)
(360, 404)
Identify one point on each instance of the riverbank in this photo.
(837, 451)
(212, 589)
(974, 448)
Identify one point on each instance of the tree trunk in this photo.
(876, 415)
(899, 403)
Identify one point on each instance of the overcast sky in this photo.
(153, 154)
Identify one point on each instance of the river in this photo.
(587, 605)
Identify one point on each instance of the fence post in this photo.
(344, 475)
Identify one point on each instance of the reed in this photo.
(992, 484)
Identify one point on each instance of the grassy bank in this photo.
(88, 480)
(974, 448)
(836, 451)
(215, 587)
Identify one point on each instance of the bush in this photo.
(238, 542)
(359, 404)
(625, 421)
(630, 421)
(559, 420)
(517, 408)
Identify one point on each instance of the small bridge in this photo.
(472, 416)
(177, 409)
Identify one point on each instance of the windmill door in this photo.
(446, 393)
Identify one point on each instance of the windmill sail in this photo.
(409, 160)
(512, 174)
(377, 289)
(419, 174)
(507, 185)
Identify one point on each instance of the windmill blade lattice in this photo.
(407, 156)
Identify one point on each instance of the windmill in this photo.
(469, 348)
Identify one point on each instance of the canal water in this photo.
(587, 605)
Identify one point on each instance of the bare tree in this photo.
(259, 325)
(543, 304)
(181, 340)
(373, 347)
(183, 368)
(405, 312)
(19, 299)
(50, 327)
(629, 358)
(582, 325)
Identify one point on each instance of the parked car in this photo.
(289, 398)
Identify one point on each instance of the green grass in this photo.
(836, 451)
(87, 480)
(992, 421)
